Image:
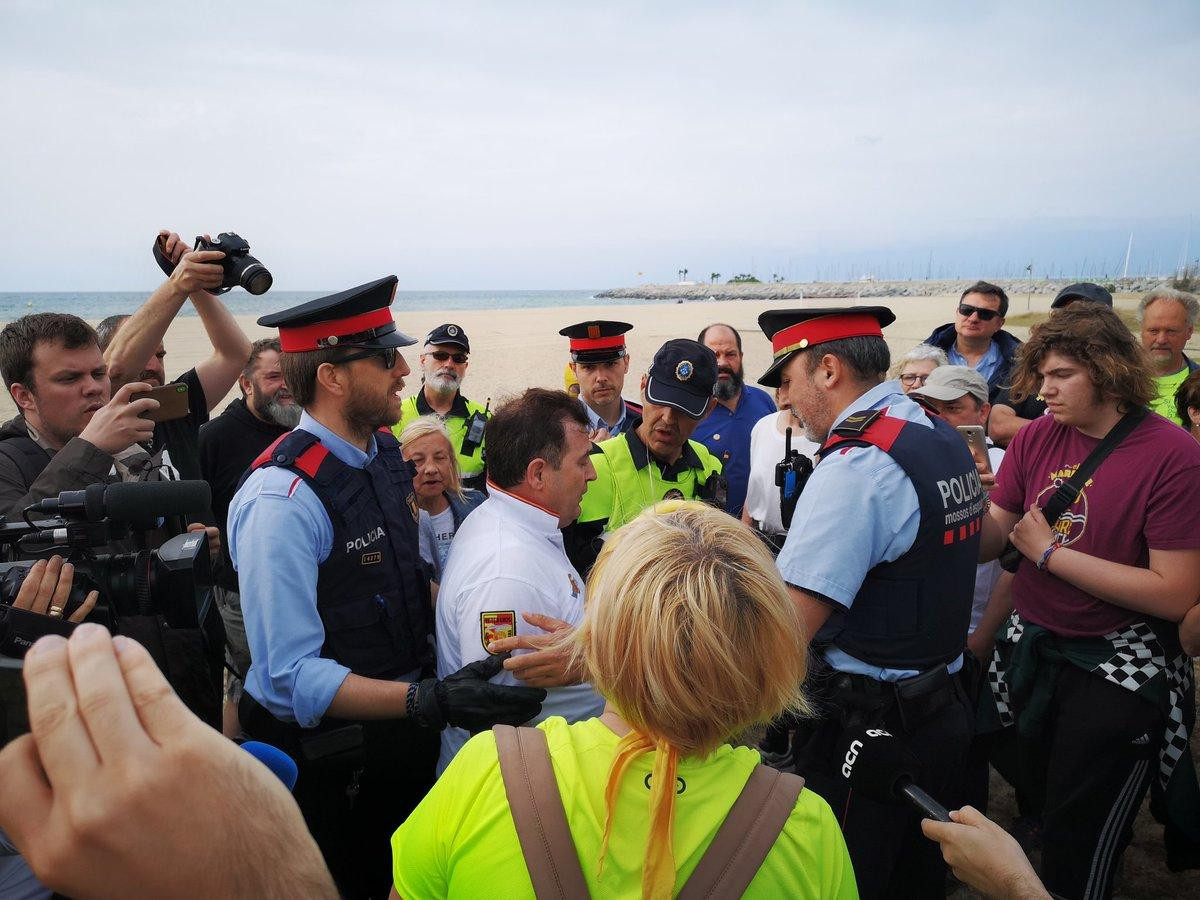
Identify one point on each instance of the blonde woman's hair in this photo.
(425, 426)
(689, 629)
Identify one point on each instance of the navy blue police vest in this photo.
(914, 612)
(372, 590)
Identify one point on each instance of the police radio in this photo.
(790, 477)
(475, 426)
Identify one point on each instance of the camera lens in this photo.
(256, 279)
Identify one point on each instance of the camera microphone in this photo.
(881, 768)
(281, 765)
(137, 502)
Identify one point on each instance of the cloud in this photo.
(531, 144)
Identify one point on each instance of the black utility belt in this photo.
(331, 741)
(917, 698)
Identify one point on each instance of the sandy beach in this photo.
(517, 348)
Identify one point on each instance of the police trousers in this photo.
(358, 782)
(891, 857)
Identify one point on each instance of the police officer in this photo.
(599, 362)
(880, 559)
(444, 366)
(654, 458)
(323, 533)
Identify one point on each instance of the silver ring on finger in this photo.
(55, 612)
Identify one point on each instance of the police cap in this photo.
(682, 376)
(793, 330)
(449, 334)
(359, 317)
(597, 341)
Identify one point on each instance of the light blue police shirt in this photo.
(279, 533)
(858, 510)
(619, 427)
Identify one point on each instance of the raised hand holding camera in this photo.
(213, 265)
(120, 423)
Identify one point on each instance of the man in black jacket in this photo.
(976, 338)
(228, 444)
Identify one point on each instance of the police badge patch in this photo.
(411, 499)
(496, 625)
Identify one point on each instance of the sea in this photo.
(100, 304)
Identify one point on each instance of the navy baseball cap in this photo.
(1083, 290)
(682, 376)
(449, 334)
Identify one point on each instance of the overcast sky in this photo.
(562, 144)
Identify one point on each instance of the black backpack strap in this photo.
(1070, 490)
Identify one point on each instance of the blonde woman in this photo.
(691, 637)
(442, 499)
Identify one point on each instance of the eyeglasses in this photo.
(911, 380)
(985, 315)
(443, 355)
(387, 354)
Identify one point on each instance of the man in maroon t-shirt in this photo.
(1091, 653)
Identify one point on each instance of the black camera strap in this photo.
(1071, 489)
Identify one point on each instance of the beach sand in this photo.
(512, 349)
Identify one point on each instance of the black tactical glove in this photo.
(468, 700)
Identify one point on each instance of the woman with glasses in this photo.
(914, 367)
(691, 636)
(443, 501)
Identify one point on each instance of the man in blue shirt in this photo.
(880, 559)
(725, 431)
(323, 534)
(976, 338)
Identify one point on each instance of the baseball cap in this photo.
(1083, 290)
(948, 383)
(682, 376)
(448, 334)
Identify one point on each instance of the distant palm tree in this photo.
(684, 278)
(714, 276)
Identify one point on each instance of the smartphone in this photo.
(977, 441)
(172, 402)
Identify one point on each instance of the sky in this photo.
(522, 145)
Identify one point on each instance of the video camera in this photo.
(172, 581)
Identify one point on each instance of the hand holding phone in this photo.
(172, 402)
(977, 442)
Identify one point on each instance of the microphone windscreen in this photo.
(135, 501)
(876, 764)
(282, 765)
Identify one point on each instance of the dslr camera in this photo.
(173, 581)
(239, 266)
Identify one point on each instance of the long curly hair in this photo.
(1095, 337)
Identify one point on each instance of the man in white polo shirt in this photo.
(507, 560)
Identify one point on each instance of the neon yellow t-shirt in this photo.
(1164, 402)
(461, 841)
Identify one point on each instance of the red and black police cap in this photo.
(793, 330)
(597, 341)
(359, 317)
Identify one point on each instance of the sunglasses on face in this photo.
(985, 315)
(387, 354)
(911, 379)
(443, 355)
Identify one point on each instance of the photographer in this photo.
(133, 350)
(69, 435)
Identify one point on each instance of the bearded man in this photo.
(725, 431)
(444, 363)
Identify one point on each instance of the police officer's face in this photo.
(374, 399)
(444, 375)
(810, 404)
(665, 430)
(600, 383)
(566, 484)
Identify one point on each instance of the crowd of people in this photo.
(588, 644)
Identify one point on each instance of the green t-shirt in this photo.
(461, 841)
(1164, 403)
